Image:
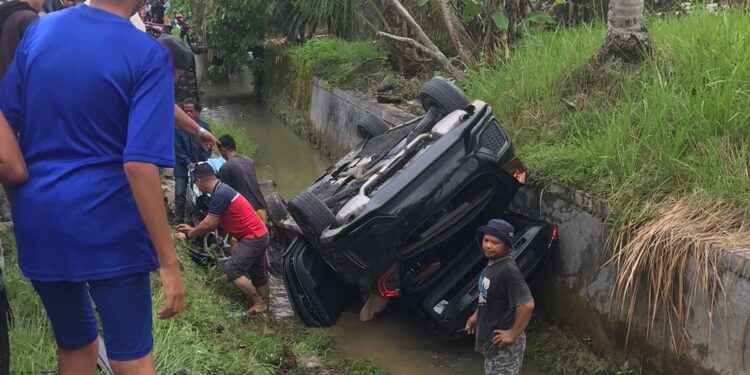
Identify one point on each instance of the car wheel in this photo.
(276, 208)
(200, 251)
(310, 213)
(443, 95)
(370, 126)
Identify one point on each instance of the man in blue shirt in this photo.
(186, 152)
(90, 221)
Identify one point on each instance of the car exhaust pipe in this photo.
(348, 212)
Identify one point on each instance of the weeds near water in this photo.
(245, 146)
(556, 351)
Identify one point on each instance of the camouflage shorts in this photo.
(506, 359)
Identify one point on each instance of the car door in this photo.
(453, 299)
(316, 292)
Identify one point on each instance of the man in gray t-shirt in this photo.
(239, 173)
(505, 303)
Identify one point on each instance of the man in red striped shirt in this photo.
(247, 269)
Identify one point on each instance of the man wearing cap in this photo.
(505, 303)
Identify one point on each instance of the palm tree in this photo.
(627, 39)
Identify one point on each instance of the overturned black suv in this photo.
(398, 215)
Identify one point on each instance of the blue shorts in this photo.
(124, 308)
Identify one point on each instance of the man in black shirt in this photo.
(157, 10)
(239, 173)
(15, 18)
(505, 303)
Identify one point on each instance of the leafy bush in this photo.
(234, 27)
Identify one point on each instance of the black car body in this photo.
(444, 185)
(409, 199)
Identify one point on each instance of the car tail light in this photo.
(388, 284)
(516, 169)
(554, 234)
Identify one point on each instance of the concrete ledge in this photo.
(334, 113)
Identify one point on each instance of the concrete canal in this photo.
(396, 339)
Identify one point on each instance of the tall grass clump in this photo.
(676, 124)
(665, 143)
(340, 61)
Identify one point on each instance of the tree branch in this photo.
(428, 47)
(437, 56)
(450, 23)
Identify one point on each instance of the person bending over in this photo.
(247, 268)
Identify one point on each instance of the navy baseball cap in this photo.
(497, 228)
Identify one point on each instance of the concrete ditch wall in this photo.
(579, 293)
(334, 114)
(579, 289)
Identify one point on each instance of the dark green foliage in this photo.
(234, 27)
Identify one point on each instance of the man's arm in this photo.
(523, 316)
(12, 166)
(520, 296)
(146, 186)
(184, 122)
(206, 152)
(471, 323)
(208, 224)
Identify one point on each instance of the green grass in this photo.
(676, 125)
(208, 337)
(245, 145)
(334, 57)
(556, 351)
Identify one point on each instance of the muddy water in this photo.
(399, 341)
(288, 160)
(396, 339)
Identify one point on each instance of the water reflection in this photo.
(402, 344)
(282, 156)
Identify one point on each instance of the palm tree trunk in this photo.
(627, 39)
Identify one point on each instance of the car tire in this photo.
(441, 94)
(276, 208)
(310, 213)
(370, 126)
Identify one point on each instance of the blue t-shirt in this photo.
(87, 92)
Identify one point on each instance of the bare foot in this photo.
(258, 309)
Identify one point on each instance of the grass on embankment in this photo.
(358, 65)
(208, 337)
(245, 146)
(676, 125)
